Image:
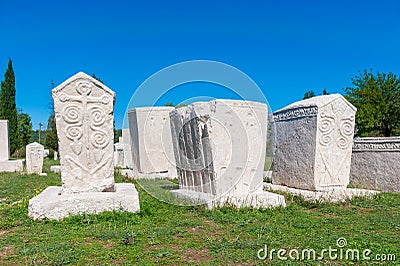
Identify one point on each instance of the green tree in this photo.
(24, 128)
(51, 140)
(325, 92)
(377, 99)
(8, 108)
(308, 94)
(97, 78)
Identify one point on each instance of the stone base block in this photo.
(51, 204)
(337, 194)
(12, 166)
(55, 168)
(262, 199)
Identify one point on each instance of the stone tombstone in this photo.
(55, 155)
(313, 143)
(119, 159)
(34, 158)
(84, 112)
(46, 152)
(7, 165)
(126, 140)
(375, 163)
(151, 141)
(4, 141)
(220, 149)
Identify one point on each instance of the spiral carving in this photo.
(326, 126)
(72, 114)
(73, 132)
(346, 128)
(99, 139)
(98, 117)
(343, 143)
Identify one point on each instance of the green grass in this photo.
(167, 234)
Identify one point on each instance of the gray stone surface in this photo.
(46, 153)
(151, 141)
(119, 156)
(84, 119)
(219, 149)
(7, 165)
(375, 164)
(52, 204)
(34, 158)
(313, 142)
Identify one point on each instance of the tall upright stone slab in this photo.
(219, 149)
(312, 149)
(119, 155)
(34, 158)
(313, 142)
(126, 140)
(7, 165)
(84, 113)
(150, 132)
(83, 110)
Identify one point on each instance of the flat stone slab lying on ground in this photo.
(129, 173)
(12, 166)
(261, 199)
(55, 168)
(338, 194)
(52, 204)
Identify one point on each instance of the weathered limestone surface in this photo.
(4, 141)
(119, 158)
(375, 164)
(34, 158)
(55, 168)
(51, 204)
(126, 140)
(313, 143)
(151, 142)
(84, 119)
(7, 165)
(219, 149)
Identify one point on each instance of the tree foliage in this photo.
(308, 94)
(24, 128)
(377, 99)
(8, 108)
(51, 140)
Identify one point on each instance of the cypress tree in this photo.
(8, 108)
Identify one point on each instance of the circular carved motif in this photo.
(72, 114)
(84, 87)
(98, 116)
(73, 132)
(100, 139)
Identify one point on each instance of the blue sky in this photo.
(286, 47)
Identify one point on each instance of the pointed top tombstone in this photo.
(83, 110)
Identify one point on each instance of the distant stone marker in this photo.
(84, 117)
(34, 158)
(5, 164)
(220, 149)
(313, 146)
(151, 143)
(119, 158)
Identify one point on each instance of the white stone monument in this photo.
(83, 110)
(34, 158)
(220, 149)
(7, 165)
(152, 154)
(119, 158)
(312, 148)
(126, 140)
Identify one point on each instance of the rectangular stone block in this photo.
(83, 110)
(151, 144)
(34, 158)
(375, 164)
(313, 143)
(219, 149)
(119, 158)
(126, 140)
(4, 141)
